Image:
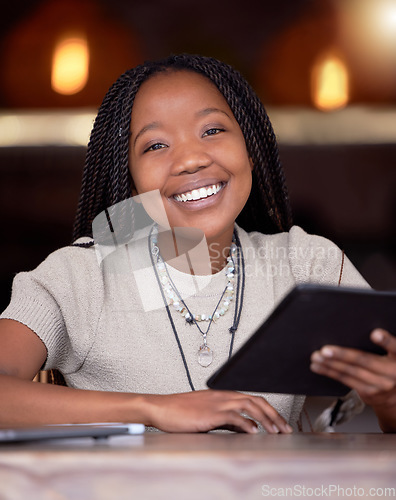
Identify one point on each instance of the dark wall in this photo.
(347, 193)
(39, 189)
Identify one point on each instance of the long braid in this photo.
(106, 177)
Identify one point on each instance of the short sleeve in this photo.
(60, 302)
(33, 306)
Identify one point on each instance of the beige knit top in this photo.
(105, 327)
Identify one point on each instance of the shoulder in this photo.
(70, 257)
(310, 257)
(257, 240)
(296, 236)
(60, 300)
(293, 239)
(70, 269)
(288, 241)
(318, 259)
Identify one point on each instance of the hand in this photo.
(372, 376)
(202, 411)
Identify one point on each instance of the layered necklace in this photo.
(232, 292)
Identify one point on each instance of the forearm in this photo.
(29, 403)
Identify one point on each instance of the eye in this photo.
(213, 131)
(155, 147)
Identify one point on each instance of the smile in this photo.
(198, 194)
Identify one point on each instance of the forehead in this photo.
(172, 89)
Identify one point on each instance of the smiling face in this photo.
(186, 143)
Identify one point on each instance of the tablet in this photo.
(276, 358)
(64, 431)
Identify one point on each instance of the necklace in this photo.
(235, 263)
(175, 299)
(205, 353)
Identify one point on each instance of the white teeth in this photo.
(198, 194)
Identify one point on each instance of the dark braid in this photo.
(106, 177)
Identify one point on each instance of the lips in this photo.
(199, 193)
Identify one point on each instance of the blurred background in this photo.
(325, 70)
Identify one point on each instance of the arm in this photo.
(22, 354)
(372, 376)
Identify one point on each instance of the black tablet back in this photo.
(277, 356)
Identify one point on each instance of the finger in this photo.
(230, 419)
(384, 339)
(259, 409)
(356, 378)
(234, 428)
(350, 381)
(381, 365)
(368, 377)
(246, 408)
(256, 407)
(275, 417)
(252, 410)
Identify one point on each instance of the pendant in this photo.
(205, 355)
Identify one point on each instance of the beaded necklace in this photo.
(170, 294)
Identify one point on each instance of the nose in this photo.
(190, 158)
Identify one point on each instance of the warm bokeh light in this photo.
(46, 128)
(387, 17)
(330, 83)
(367, 35)
(70, 66)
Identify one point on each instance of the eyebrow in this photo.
(149, 126)
(208, 111)
(155, 125)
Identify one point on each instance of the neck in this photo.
(186, 250)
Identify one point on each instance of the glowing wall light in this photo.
(330, 83)
(387, 17)
(70, 66)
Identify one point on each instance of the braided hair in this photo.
(106, 176)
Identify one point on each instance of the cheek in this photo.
(244, 168)
(137, 181)
(245, 179)
(247, 185)
(241, 157)
(137, 171)
(146, 176)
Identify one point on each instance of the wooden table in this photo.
(201, 467)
